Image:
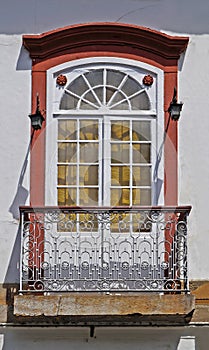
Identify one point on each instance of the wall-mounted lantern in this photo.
(36, 118)
(175, 107)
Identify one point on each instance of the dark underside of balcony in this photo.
(97, 309)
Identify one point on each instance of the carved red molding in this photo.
(103, 36)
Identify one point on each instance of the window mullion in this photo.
(104, 86)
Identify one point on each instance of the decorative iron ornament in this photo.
(104, 250)
(61, 80)
(148, 80)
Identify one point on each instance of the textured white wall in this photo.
(14, 136)
(194, 151)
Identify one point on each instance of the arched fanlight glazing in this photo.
(96, 89)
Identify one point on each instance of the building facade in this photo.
(104, 186)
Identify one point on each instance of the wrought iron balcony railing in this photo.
(104, 249)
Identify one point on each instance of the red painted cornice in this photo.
(100, 36)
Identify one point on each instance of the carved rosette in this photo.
(148, 80)
(61, 80)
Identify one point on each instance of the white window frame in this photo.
(54, 94)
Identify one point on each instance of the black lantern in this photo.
(36, 118)
(175, 107)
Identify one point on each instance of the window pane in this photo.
(91, 98)
(99, 92)
(114, 78)
(109, 92)
(88, 196)
(120, 153)
(88, 152)
(86, 105)
(131, 86)
(141, 175)
(120, 130)
(117, 98)
(120, 196)
(141, 131)
(141, 153)
(67, 175)
(120, 175)
(78, 86)
(67, 129)
(140, 101)
(88, 130)
(123, 106)
(67, 152)
(66, 196)
(95, 77)
(88, 175)
(68, 102)
(141, 196)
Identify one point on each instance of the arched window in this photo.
(102, 139)
(111, 92)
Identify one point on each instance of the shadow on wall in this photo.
(24, 62)
(21, 193)
(12, 275)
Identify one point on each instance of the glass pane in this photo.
(140, 101)
(114, 78)
(141, 131)
(68, 102)
(88, 152)
(88, 175)
(67, 152)
(95, 77)
(120, 196)
(88, 196)
(99, 92)
(67, 129)
(141, 175)
(90, 97)
(141, 196)
(122, 106)
(131, 86)
(88, 130)
(141, 153)
(66, 174)
(120, 175)
(109, 92)
(120, 130)
(120, 153)
(78, 86)
(117, 98)
(86, 105)
(66, 196)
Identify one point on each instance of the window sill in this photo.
(106, 309)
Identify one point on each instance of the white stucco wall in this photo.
(193, 151)
(14, 136)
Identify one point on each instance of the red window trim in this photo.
(104, 39)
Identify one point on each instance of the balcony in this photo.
(104, 266)
(140, 249)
